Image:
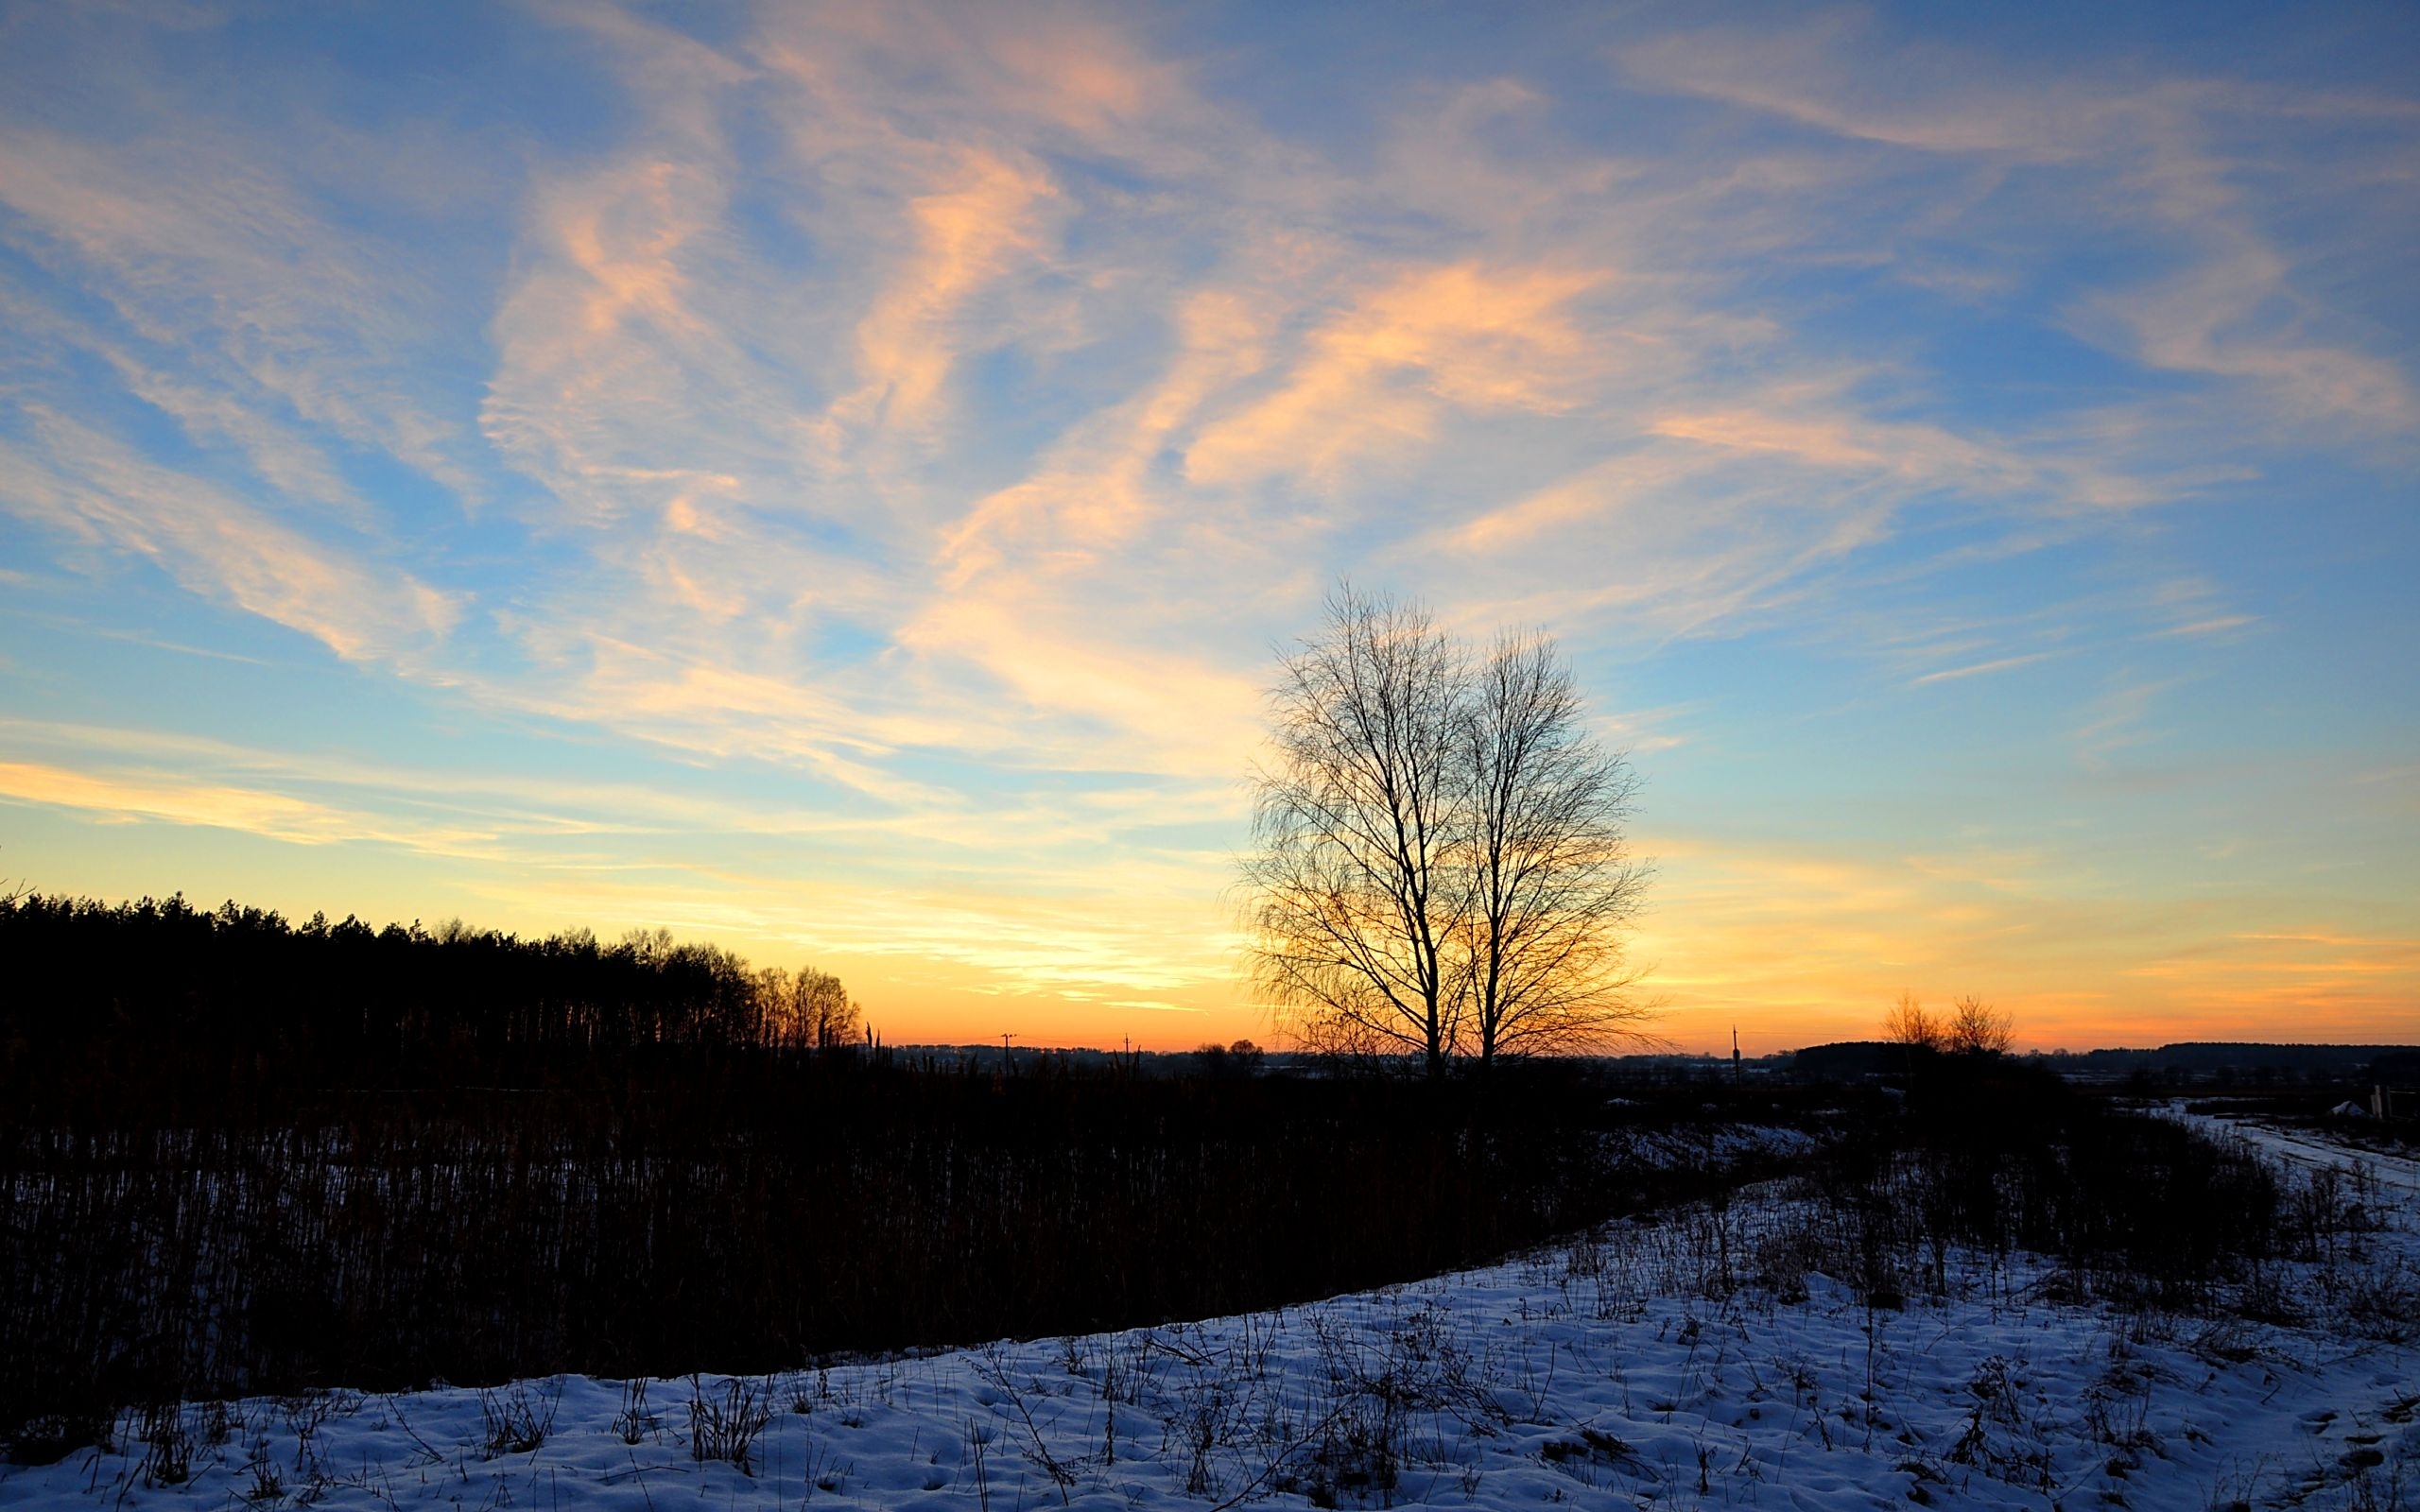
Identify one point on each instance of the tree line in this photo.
(159, 1006)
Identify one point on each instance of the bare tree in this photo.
(809, 1011)
(1977, 1028)
(1551, 881)
(1439, 867)
(822, 1010)
(1357, 896)
(1908, 1023)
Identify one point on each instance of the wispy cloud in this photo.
(2143, 154)
(100, 492)
(2117, 720)
(208, 258)
(177, 799)
(1979, 669)
(1371, 381)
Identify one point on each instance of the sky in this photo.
(835, 480)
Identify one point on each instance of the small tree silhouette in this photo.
(1977, 1028)
(1908, 1023)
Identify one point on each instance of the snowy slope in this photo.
(1632, 1369)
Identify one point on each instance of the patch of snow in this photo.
(1703, 1147)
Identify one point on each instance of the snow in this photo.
(1622, 1370)
(1705, 1147)
(2306, 1151)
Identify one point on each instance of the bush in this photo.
(1996, 1155)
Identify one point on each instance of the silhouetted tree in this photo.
(1973, 1027)
(1358, 893)
(1440, 864)
(1977, 1028)
(811, 1009)
(1908, 1023)
(1551, 881)
(1242, 1058)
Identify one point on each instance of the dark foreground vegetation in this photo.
(1989, 1154)
(244, 1157)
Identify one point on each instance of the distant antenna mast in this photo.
(1735, 1052)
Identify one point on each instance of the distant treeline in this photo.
(181, 1013)
(2217, 1056)
(1879, 1057)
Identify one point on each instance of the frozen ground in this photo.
(1656, 1365)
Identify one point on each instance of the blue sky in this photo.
(832, 480)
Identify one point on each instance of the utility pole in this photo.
(1736, 1073)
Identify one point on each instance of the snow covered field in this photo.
(1663, 1364)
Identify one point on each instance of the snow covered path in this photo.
(1603, 1375)
(2401, 1173)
